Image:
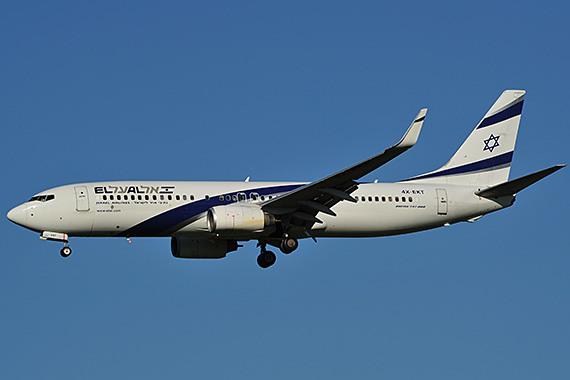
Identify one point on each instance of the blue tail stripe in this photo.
(489, 163)
(512, 111)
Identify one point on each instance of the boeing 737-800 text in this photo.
(208, 219)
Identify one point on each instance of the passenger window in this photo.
(178, 197)
(146, 197)
(110, 197)
(228, 197)
(140, 197)
(132, 197)
(262, 198)
(170, 197)
(376, 199)
(104, 197)
(191, 197)
(383, 199)
(207, 197)
(403, 199)
(410, 199)
(161, 197)
(184, 197)
(369, 199)
(154, 197)
(389, 199)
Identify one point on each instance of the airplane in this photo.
(208, 220)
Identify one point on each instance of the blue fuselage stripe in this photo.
(161, 224)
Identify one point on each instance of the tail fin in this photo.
(485, 157)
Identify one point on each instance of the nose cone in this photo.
(18, 216)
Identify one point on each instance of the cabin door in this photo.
(81, 198)
(441, 201)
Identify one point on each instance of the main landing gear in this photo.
(288, 245)
(267, 258)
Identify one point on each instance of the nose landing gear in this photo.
(65, 251)
(58, 236)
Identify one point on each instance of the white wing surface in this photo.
(301, 205)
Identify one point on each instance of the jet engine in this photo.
(235, 218)
(191, 248)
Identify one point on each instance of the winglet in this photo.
(413, 133)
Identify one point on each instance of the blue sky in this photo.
(294, 91)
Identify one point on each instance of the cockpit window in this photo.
(42, 198)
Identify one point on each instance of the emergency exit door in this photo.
(441, 201)
(81, 198)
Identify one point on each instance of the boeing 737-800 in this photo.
(208, 219)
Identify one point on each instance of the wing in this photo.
(299, 207)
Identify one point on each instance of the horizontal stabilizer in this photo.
(514, 186)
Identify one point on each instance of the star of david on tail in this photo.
(495, 140)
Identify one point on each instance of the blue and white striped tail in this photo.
(485, 157)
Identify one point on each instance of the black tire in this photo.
(266, 259)
(65, 252)
(288, 245)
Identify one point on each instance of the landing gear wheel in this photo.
(288, 245)
(266, 259)
(65, 252)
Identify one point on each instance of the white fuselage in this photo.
(142, 208)
(206, 220)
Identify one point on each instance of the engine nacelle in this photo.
(191, 248)
(234, 218)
